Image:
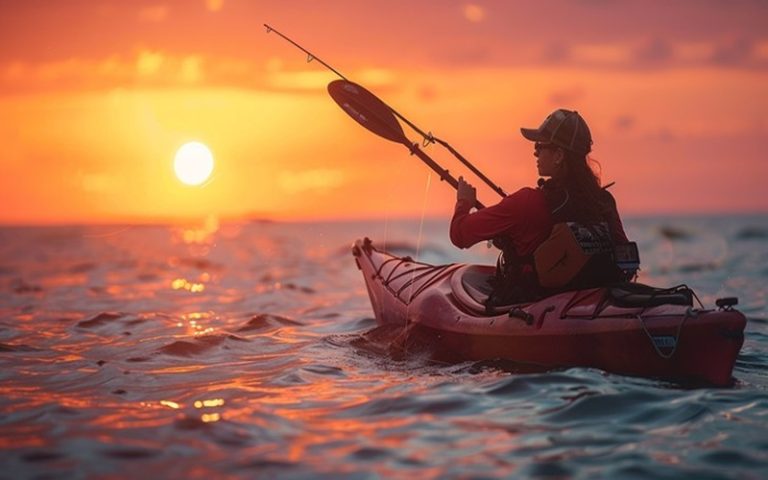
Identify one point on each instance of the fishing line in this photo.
(427, 138)
(387, 213)
(418, 252)
(423, 213)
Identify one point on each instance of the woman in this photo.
(531, 224)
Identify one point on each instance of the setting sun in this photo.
(193, 163)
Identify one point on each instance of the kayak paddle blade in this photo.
(367, 110)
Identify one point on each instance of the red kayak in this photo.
(630, 329)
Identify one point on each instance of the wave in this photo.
(101, 319)
(197, 346)
(266, 321)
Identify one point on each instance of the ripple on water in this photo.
(726, 458)
(101, 319)
(130, 453)
(197, 346)
(21, 348)
(633, 407)
(267, 321)
(42, 456)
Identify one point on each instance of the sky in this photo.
(97, 96)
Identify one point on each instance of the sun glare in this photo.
(193, 163)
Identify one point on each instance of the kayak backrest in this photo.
(471, 287)
(639, 295)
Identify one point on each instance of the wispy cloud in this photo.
(154, 13)
(315, 180)
(660, 53)
(474, 13)
(149, 68)
(214, 5)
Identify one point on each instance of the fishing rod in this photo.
(427, 137)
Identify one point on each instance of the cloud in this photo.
(474, 13)
(664, 135)
(214, 5)
(154, 13)
(733, 53)
(146, 68)
(760, 51)
(694, 52)
(655, 51)
(568, 96)
(659, 52)
(601, 53)
(191, 69)
(317, 180)
(148, 62)
(463, 54)
(557, 52)
(624, 122)
(299, 80)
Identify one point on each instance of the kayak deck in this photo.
(653, 335)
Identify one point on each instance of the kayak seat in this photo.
(639, 295)
(471, 286)
(477, 284)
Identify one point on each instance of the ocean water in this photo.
(247, 350)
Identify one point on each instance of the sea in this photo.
(247, 349)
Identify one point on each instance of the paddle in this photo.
(373, 114)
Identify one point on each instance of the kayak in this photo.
(629, 329)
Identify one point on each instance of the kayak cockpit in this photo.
(471, 286)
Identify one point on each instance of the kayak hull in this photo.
(579, 328)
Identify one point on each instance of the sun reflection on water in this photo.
(215, 402)
(184, 284)
(170, 404)
(210, 417)
(202, 235)
(192, 323)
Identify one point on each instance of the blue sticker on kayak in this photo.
(664, 341)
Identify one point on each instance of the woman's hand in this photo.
(465, 192)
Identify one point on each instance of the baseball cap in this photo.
(564, 128)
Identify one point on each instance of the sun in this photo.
(193, 163)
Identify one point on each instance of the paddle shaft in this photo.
(444, 175)
(474, 170)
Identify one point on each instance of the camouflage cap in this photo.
(564, 128)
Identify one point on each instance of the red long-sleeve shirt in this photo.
(522, 216)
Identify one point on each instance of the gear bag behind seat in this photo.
(568, 249)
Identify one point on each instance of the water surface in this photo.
(249, 350)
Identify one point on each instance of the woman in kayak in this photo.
(538, 228)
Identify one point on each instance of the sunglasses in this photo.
(537, 147)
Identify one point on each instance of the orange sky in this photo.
(97, 96)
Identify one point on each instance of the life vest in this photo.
(568, 250)
(575, 255)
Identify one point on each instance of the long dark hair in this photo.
(576, 194)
